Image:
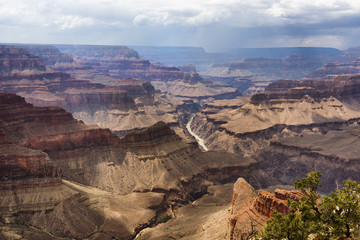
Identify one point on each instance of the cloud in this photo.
(178, 22)
(69, 21)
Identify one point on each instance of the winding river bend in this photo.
(198, 139)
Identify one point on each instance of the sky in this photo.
(215, 25)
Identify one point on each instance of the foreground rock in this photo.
(249, 214)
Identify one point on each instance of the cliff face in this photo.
(337, 86)
(30, 179)
(13, 59)
(266, 202)
(25, 168)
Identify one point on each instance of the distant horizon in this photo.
(174, 46)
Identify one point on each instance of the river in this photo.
(198, 139)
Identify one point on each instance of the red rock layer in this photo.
(265, 202)
(59, 131)
(16, 112)
(21, 167)
(87, 138)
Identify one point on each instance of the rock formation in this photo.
(249, 213)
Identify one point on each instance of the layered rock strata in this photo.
(152, 168)
(284, 103)
(297, 110)
(123, 63)
(337, 69)
(122, 105)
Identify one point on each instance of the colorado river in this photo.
(198, 139)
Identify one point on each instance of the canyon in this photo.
(275, 123)
(88, 172)
(97, 142)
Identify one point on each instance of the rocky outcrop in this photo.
(155, 131)
(242, 218)
(249, 214)
(264, 113)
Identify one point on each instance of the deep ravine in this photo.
(198, 139)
